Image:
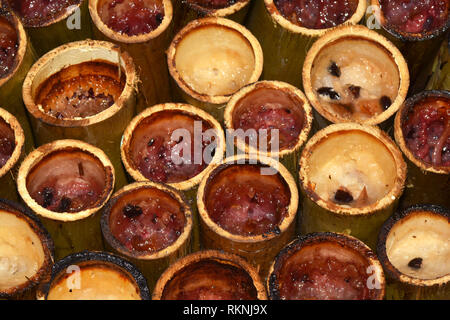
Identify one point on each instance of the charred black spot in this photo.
(277, 230)
(132, 211)
(47, 196)
(415, 263)
(64, 205)
(343, 196)
(385, 102)
(355, 91)
(327, 91)
(334, 69)
(151, 142)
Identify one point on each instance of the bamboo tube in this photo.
(418, 47)
(259, 189)
(66, 22)
(12, 141)
(146, 49)
(69, 63)
(210, 275)
(187, 11)
(428, 181)
(212, 58)
(11, 84)
(157, 126)
(264, 99)
(316, 267)
(352, 177)
(95, 275)
(26, 252)
(284, 43)
(353, 74)
(413, 249)
(171, 227)
(66, 182)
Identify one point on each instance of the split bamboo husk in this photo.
(10, 129)
(284, 43)
(47, 33)
(104, 129)
(206, 71)
(151, 262)
(41, 177)
(11, 85)
(419, 49)
(147, 51)
(440, 78)
(357, 193)
(289, 278)
(261, 245)
(186, 11)
(413, 249)
(216, 274)
(277, 95)
(426, 182)
(381, 73)
(190, 185)
(26, 250)
(95, 275)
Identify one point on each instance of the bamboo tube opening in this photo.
(414, 246)
(96, 276)
(172, 143)
(40, 13)
(248, 206)
(352, 169)
(413, 21)
(14, 38)
(147, 221)
(422, 130)
(12, 140)
(353, 74)
(66, 180)
(269, 105)
(222, 8)
(210, 70)
(210, 275)
(297, 19)
(323, 266)
(26, 250)
(131, 21)
(79, 84)
(9, 43)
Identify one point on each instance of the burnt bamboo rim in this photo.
(356, 32)
(56, 18)
(398, 129)
(22, 42)
(406, 36)
(204, 23)
(19, 138)
(162, 253)
(390, 198)
(71, 54)
(124, 38)
(222, 12)
(345, 241)
(99, 258)
(260, 160)
(277, 85)
(390, 270)
(279, 19)
(33, 221)
(219, 256)
(39, 154)
(183, 108)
